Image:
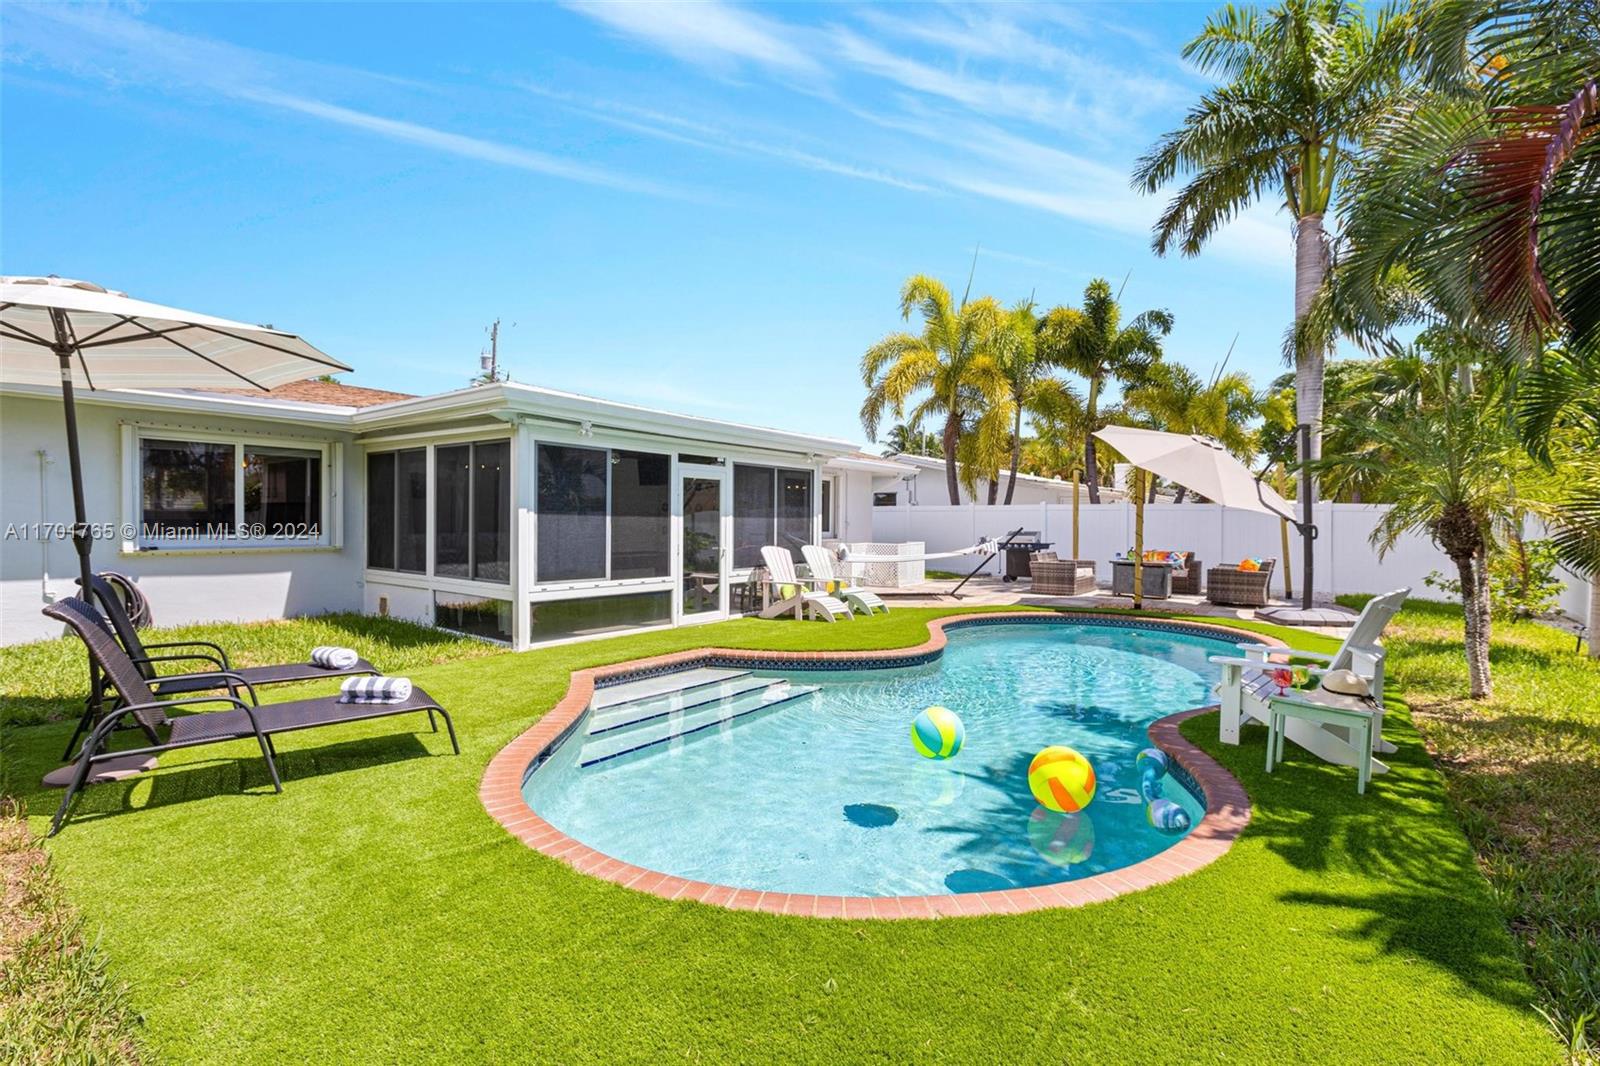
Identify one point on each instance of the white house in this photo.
(507, 511)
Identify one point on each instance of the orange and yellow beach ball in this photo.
(1061, 779)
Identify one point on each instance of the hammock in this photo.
(983, 547)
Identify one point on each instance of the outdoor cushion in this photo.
(1249, 566)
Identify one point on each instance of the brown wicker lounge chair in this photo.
(114, 611)
(1061, 577)
(1231, 587)
(246, 719)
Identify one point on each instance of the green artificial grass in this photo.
(374, 912)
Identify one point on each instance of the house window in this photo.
(603, 514)
(397, 510)
(830, 522)
(187, 488)
(572, 513)
(477, 616)
(555, 619)
(229, 491)
(472, 511)
(770, 506)
(641, 515)
(885, 499)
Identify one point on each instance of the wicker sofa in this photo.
(1061, 577)
(1229, 586)
(1186, 578)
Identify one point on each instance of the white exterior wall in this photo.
(1345, 561)
(243, 584)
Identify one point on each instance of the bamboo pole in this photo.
(1075, 515)
(1138, 538)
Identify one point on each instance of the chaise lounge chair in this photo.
(246, 720)
(114, 611)
(1247, 687)
(800, 599)
(820, 560)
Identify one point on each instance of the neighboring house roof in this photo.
(875, 464)
(332, 393)
(929, 462)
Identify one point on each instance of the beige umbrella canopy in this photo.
(80, 335)
(1205, 467)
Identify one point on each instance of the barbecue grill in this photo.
(1017, 552)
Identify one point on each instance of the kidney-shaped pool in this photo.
(814, 786)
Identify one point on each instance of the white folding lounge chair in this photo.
(799, 599)
(820, 560)
(1247, 686)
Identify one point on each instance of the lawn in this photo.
(374, 912)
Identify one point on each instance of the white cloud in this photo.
(710, 33)
(116, 49)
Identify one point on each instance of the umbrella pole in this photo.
(1074, 515)
(82, 538)
(1138, 538)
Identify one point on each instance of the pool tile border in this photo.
(1227, 805)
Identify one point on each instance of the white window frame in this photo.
(830, 513)
(330, 531)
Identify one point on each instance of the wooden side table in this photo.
(1325, 708)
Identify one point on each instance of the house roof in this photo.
(332, 393)
(929, 462)
(876, 464)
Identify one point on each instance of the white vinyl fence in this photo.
(1345, 560)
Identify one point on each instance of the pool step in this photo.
(687, 723)
(663, 685)
(628, 715)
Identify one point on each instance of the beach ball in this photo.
(1061, 839)
(1167, 816)
(937, 733)
(1061, 779)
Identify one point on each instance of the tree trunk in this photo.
(1150, 495)
(1091, 470)
(1475, 608)
(1594, 617)
(1310, 268)
(952, 433)
(1016, 455)
(1183, 490)
(994, 488)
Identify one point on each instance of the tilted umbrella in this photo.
(75, 333)
(1204, 466)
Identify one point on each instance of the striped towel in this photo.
(375, 690)
(331, 657)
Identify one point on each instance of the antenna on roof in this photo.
(489, 358)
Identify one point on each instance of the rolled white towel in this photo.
(332, 657)
(375, 690)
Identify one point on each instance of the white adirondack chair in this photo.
(1247, 685)
(781, 572)
(820, 560)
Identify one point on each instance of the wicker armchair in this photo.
(1061, 577)
(1186, 578)
(1231, 587)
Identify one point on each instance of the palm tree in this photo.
(1302, 84)
(1174, 399)
(949, 365)
(1446, 459)
(1093, 343)
(906, 439)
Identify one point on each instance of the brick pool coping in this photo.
(1227, 805)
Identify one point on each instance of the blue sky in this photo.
(709, 208)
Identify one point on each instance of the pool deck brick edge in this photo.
(1227, 805)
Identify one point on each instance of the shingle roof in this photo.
(328, 392)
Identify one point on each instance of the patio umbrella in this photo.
(1204, 466)
(75, 333)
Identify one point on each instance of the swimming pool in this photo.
(821, 792)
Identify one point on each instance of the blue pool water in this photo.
(825, 794)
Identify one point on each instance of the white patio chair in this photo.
(1247, 687)
(820, 560)
(781, 573)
